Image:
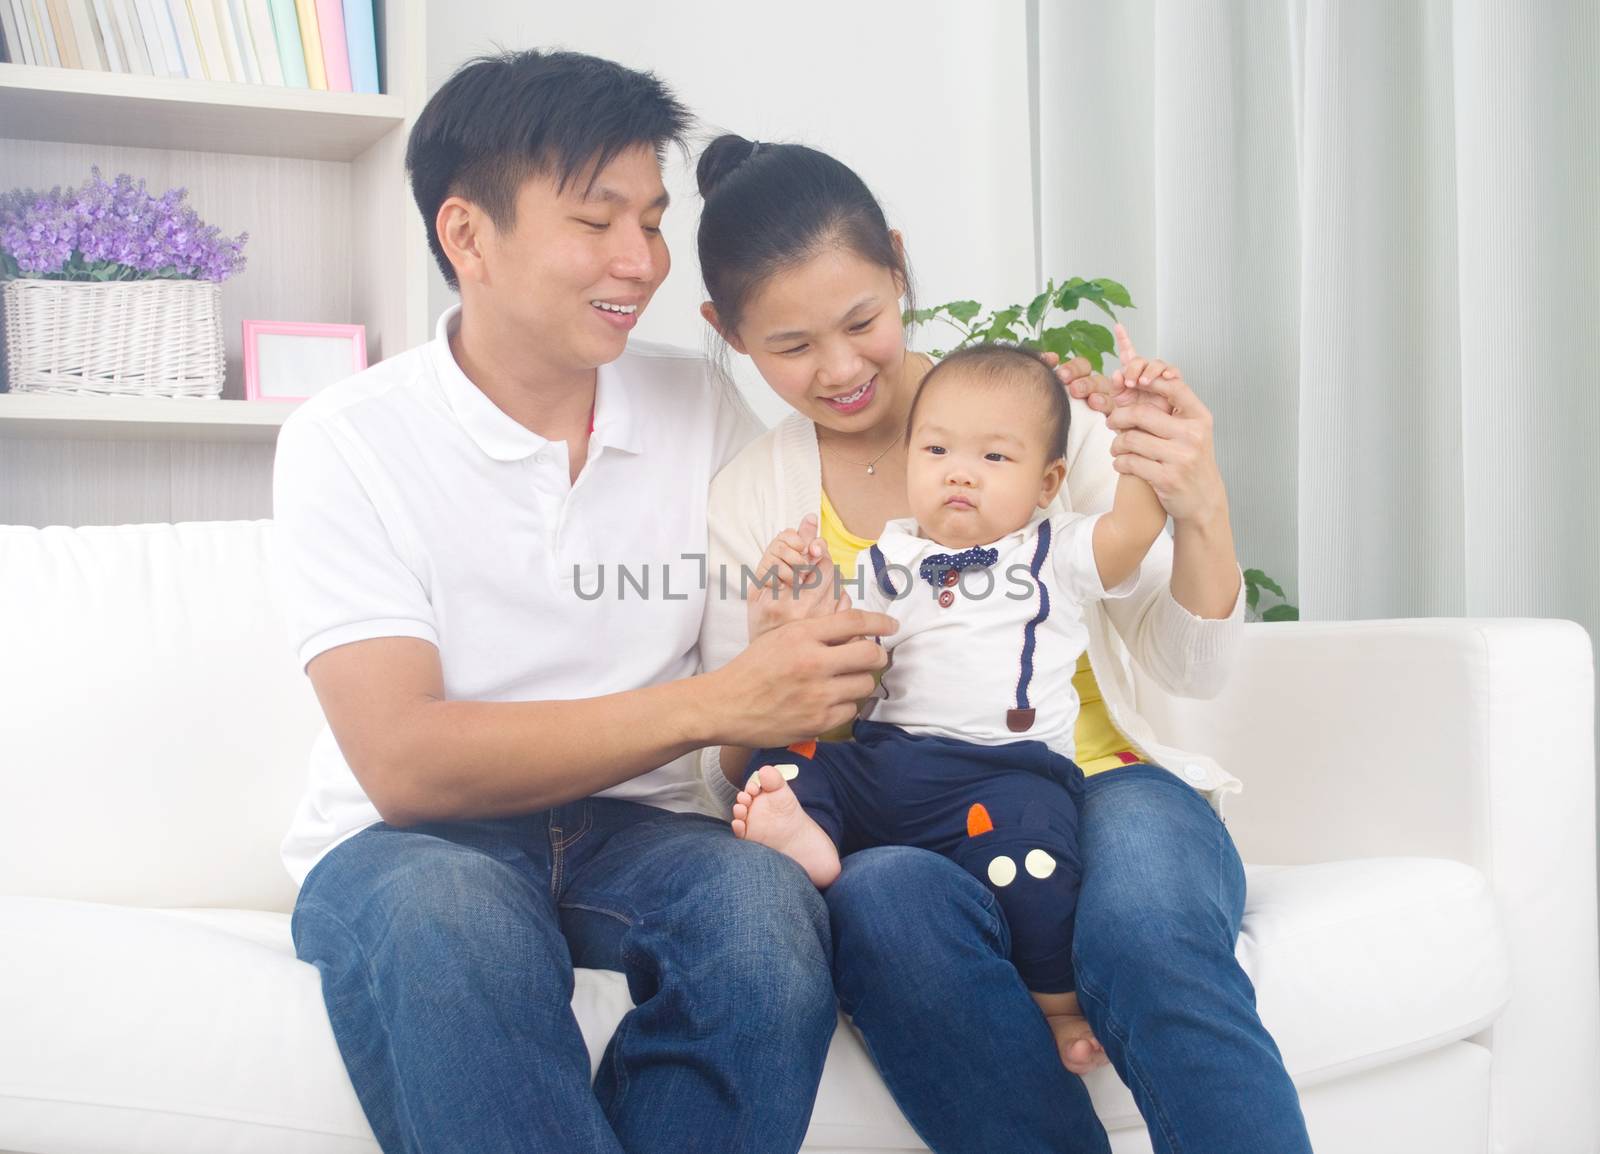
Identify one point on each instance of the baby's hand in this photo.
(1129, 381)
(794, 579)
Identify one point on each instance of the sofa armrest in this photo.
(1464, 739)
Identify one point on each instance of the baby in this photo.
(970, 744)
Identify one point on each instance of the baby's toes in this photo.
(738, 827)
(1083, 1056)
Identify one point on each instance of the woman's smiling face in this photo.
(826, 336)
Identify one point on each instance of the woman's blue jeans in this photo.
(920, 964)
(446, 955)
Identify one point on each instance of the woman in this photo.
(805, 277)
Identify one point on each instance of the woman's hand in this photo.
(1163, 431)
(795, 579)
(1164, 436)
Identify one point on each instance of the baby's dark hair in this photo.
(1001, 365)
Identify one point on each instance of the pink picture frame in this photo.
(295, 360)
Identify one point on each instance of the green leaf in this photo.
(962, 311)
(1252, 595)
(1113, 292)
(1000, 326)
(917, 316)
(1266, 582)
(1037, 307)
(1281, 613)
(1068, 342)
(1095, 336)
(1102, 306)
(1059, 342)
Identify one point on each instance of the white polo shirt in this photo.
(976, 651)
(407, 504)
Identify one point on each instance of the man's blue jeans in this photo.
(446, 953)
(920, 964)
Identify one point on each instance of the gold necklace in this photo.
(871, 466)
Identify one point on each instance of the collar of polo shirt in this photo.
(502, 438)
(901, 545)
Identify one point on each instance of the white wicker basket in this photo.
(154, 338)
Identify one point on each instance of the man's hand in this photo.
(799, 679)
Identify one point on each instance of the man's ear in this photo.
(461, 227)
(1054, 476)
(709, 311)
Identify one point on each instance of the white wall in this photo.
(928, 102)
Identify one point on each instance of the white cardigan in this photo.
(777, 479)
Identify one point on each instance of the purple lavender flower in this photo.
(116, 231)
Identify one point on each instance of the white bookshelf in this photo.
(69, 104)
(318, 181)
(140, 418)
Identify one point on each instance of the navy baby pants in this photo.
(1007, 814)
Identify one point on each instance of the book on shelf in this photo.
(335, 57)
(45, 30)
(360, 35)
(131, 37)
(209, 35)
(229, 36)
(241, 33)
(11, 51)
(311, 41)
(91, 57)
(44, 42)
(194, 65)
(27, 48)
(65, 35)
(106, 35)
(328, 45)
(286, 32)
(161, 37)
(264, 40)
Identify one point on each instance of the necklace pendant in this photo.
(871, 470)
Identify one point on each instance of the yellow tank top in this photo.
(1100, 745)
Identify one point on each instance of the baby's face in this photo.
(977, 467)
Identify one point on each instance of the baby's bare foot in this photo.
(767, 812)
(1080, 1050)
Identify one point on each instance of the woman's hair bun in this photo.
(721, 157)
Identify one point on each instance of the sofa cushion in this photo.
(154, 707)
(197, 1030)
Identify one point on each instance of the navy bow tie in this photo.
(934, 567)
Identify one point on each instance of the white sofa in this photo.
(1424, 945)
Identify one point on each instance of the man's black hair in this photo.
(502, 119)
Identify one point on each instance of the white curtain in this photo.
(1369, 231)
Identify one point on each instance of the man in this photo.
(506, 786)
